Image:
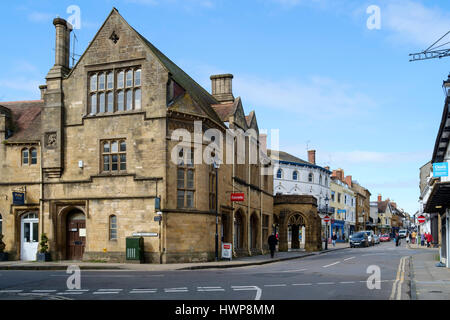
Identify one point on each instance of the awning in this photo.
(439, 198)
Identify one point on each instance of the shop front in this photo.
(338, 227)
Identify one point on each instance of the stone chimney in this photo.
(263, 143)
(221, 86)
(348, 181)
(312, 156)
(62, 44)
(379, 197)
(43, 89)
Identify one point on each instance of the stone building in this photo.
(95, 160)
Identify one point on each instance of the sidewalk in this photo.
(238, 262)
(428, 282)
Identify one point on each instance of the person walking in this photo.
(333, 239)
(273, 241)
(429, 239)
(397, 239)
(413, 237)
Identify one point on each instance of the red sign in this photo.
(421, 219)
(326, 219)
(227, 246)
(237, 197)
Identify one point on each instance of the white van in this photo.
(402, 233)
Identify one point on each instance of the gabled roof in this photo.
(203, 98)
(226, 110)
(26, 120)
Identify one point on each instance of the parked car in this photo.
(376, 239)
(403, 233)
(370, 236)
(359, 239)
(385, 238)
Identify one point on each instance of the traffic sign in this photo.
(421, 219)
(326, 219)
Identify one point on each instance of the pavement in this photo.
(428, 282)
(237, 262)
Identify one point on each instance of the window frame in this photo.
(31, 161)
(186, 168)
(111, 238)
(98, 97)
(110, 155)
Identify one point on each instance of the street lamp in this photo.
(326, 223)
(446, 86)
(216, 167)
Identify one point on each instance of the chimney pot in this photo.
(43, 89)
(312, 156)
(62, 45)
(222, 88)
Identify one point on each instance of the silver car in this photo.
(370, 236)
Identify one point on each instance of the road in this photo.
(380, 272)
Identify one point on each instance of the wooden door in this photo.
(76, 237)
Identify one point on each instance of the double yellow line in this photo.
(396, 293)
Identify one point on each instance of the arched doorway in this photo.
(295, 226)
(75, 234)
(254, 232)
(238, 237)
(29, 235)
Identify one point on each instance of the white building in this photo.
(293, 175)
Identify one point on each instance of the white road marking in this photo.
(302, 284)
(274, 285)
(70, 293)
(247, 288)
(349, 258)
(10, 291)
(108, 291)
(43, 291)
(174, 290)
(345, 282)
(325, 283)
(298, 270)
(331, 264)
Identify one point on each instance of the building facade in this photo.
(101, 155)
(343, 204)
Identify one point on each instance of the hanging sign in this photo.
(237, 197)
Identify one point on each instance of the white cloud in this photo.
(21, 84)
(40, 16)
(412, 22)
(316, 97)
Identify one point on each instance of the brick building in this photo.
(94, 156)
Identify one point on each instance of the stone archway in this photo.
(295, 222)
(298, 211)
(239, 232)
(254, 233)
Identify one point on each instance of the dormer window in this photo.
(115, 90)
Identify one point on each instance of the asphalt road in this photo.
(376, 273)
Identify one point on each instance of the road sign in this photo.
(157, 218)
(421, 219)
(326, 219)
(237, 196)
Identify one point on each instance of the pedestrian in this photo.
(422, 239)
(429, 239)
(273, 241)
(413, 235)
(333, 239)
(397, 239)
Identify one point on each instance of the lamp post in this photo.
(216, 167)
(326, 223)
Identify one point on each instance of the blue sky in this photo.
(310, 68)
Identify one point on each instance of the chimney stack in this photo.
(221, 86)
(43, 89)
(312, 156)
(379, 197)
(62, 44)
(348, 181)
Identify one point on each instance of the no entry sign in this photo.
(237, 197)
(326, 219)
(421, 219)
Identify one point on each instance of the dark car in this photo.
(359, 239)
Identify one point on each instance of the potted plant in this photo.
(43, 254)
(3, 255)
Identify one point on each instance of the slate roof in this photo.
(26, 118)
(225, 110)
